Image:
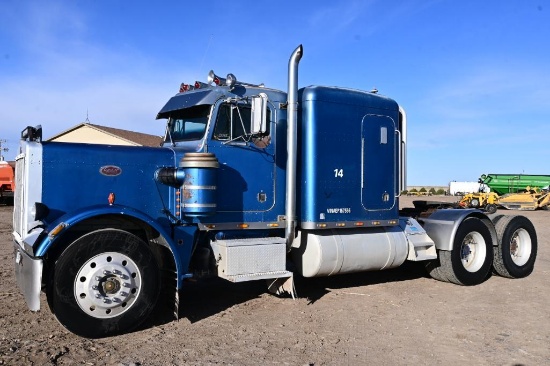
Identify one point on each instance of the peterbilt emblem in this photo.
(110, 170)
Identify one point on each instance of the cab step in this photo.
(249, 259)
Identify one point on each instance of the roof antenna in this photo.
(206, 51)
(87, 119)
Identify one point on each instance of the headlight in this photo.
(39, 211)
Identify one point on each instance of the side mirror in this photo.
(258, 120)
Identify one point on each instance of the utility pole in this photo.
(2, 149)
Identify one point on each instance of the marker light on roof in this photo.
(184, 87)
(200, 85)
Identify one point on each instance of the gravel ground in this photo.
(395, 317)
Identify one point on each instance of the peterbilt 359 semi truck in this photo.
(251, 183)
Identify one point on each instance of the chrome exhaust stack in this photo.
(292, 144)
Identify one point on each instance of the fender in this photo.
(64, 223)
(442, 225)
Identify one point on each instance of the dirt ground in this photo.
(395, 317)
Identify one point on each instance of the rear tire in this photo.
(474, 203)
(434, 269)
(469, 262)
(496, 218)
(106, 282)
(517, 250)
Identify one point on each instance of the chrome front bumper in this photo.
(28, 272)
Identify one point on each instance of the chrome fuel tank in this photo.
(331, 252)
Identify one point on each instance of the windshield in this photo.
(188, 124)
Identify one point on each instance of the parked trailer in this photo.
(513, 183)
(251, 183)
(462, 188)
(530, 200)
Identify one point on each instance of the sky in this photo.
(473, 76)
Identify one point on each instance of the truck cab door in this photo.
(246, 180)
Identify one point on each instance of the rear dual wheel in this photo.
(469, 262)
(106, 282)
(517, 250)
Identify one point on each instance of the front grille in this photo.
(19, 194)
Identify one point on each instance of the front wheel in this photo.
(106, 282)
(470, 260)
(517, 250)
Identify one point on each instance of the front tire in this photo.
(469, 262)
(105, 283)
(517, 250)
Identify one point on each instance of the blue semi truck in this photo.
(251, 183)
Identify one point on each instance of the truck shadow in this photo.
(209, 297)
(202, 299)
(315, 288)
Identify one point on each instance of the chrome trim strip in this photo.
(198, 187)
(313, 225)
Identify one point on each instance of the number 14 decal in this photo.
(338, 173)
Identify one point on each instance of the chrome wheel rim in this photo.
(520, 247)
(107, 285)
(473, 251)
